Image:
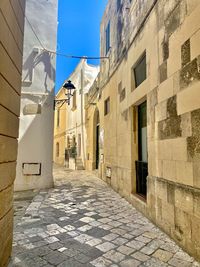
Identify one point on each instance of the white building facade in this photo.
(34, 162)
(76, 139)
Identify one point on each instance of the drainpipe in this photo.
(82, 111)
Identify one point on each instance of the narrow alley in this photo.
(83, 222)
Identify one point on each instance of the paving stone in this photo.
(83, 238)
(105, 220)
(73, 263)
(63, 236)
(40, 243)
(110, 237)
(115, 223)
(71, 252)
(170, 247)
(83, 223)
(118, 231)
(69, 227)
(162, 255)
(120, 241)
(106, 246)
(53, 232)
(84, 228)
(97, 232)
(106, 227)
(128, 236)
(55, 245)
(82, 258)
(114, 256)
(93, 253)
(95, 223)
(94, 241)
(87, 219)
(183, 256)
(148, 250)
(91, 213)
(125, 250)
(62, 249)
(51, 239)
(42, 251)
(150, 235)
(135, 244)
(140, 256)
(143, 239)
(73, 233)
(101, 262)
(153, 262)
(130, 263)
(179, 263)
(156, 243)
(55, 258)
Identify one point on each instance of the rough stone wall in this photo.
(170, 37)
(11, 47)
(174, 121)
(125, 23)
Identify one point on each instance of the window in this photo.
(108, 37)
(142, 163)
(79, 145)
(107, 106)
(139, 70)
(74, 101)
(118, 4)
(57, 150)
(68, 142)
(58, 117)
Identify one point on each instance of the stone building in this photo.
(11, 49)
(70, 133)
(143, 112)
(60, 122)
(35, 153)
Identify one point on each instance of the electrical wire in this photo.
(57, 53)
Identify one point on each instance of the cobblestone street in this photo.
(83, 222)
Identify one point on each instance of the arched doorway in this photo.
(96, 138)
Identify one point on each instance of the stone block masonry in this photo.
(11, 46)
(161, 38)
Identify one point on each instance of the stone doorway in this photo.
(141, 164)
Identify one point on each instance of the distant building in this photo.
(144, 130)
(35, 151)
(11, 48)
(70, 134)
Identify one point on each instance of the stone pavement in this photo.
(82, 222)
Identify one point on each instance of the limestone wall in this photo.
(168, 31)
(82, 77)
(11, 48)
(60, 122)
(35, 153)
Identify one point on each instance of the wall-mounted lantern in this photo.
(69, 92)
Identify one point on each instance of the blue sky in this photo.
(78, 33)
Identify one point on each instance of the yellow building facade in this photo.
(60, 122)
(69, 125)
(11, 51)
(143, 112)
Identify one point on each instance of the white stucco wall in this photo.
(76, 125)
(38, 81)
